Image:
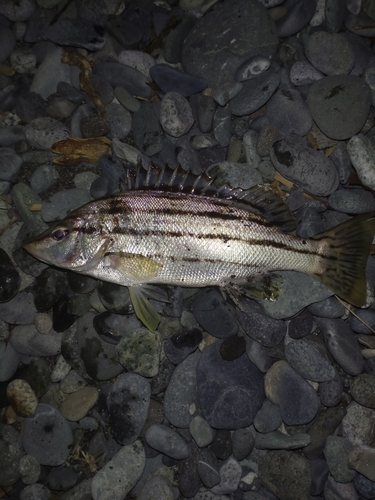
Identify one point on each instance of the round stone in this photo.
(22, 398)
(23, 59)
(11, 453)
(363, 390)
(77, 404)
(29, 469)
(10, 279)
(337, 96)
(166, 440)
(176, 116)
(139, 352)
(308, 360)
(43, 132)
(330, 53)
(201, 431)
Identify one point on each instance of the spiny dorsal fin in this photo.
(262, 200)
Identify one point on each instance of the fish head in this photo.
(66, 244)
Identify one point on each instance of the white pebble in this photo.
(23, 59)
(362, 155)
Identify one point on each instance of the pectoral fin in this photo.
(134, 266)
(143, 309)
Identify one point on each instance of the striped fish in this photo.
(142, 237)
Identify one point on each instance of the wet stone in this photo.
(357, 425)
(60, 108)
(60, 370)
(72, 382)
(308, 360)
(268, 418)
(146, 130)
(22, 398)
(242, 443)
(126, 99)
(78, 305)
(170, 79)
(230, 393)
(115, 298)
(124, 31)
(214, 314)
(368, 316)
(61, 319)
(356, 201)
(336, 452)
(62, 479)
(311, 169)
(361, 153)
(230, 474)
(80, 283)
(181, 393)
(128, 403)
(113, 327)
(362, 459)
(331, 391)
(39, 376)
(47, 436)
(7, 43)
(43, 132)
(29, 469)
(119, 120)
(334, 489)
(255, 93)
(176, 116)
(43, 178)
(328, 308)
(260, 327)
(66, 91)
(93, 126)
(342, 344)
(334, 96)
(303, 73)
(301, 325)
(167, 441)
(201, 431)
(139, 352)
(160, 382)
(363, 390)
(99, 357)
(282, 383)
(9, 278)
(222, 125)
(11, 453)
(77, 404)
(286, 474)
(209, 50)
(111, 477)
(20, 310)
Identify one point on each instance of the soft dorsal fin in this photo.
(262, 200)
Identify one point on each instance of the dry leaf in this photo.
(6, 70)
(75, 150)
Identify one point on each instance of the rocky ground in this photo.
(274, 401)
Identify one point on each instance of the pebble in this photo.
(77, 32)
(230, 474)
(255, 93)
(363, 390)
(285, 474)
(124, 76)
(282, 382)
(277, 440)
(10, 164)
(328, 308)
(35, 491)
(146, 130)
(336, 452)
(39, 376)
(223, 94)
(361, 152)
(78, 404)
(357, 424)
(27, 340)
(62, 479)
(230, 393)
(47, 436)
(176, 116)
(170, 79)
(126, 99)
(43, 178)
(11, 453)
(181, 344)
(10, 279)
(60, 370)
(224, 37)
(342, 344)
(22, 398)
(296, 116)
(128, 404)
(43, 132)
(362, 459)
(364, 486)
(201, 432)
(119, 120)
(331, 391)
(338, 60)
(260, 327)
(310, 169)
(335, 96)
(29, 469)
(137, 60)
(309, 360)
(60, 204)
(167, 441)
(214, 314)
(222, 125)
(111, 482)
(113, 327)
(23, 60)
(20, 310)
(252, 67)
(352, 201)
(59, 107)
(9, 361)
(7, 43)
(304, 73)
(334, 489)
(115, 298)
(268, 418)
(139, 352)
(181, 393)
(72, 382)
(157, 487)
(242, 443)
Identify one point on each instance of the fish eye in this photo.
(60, 233)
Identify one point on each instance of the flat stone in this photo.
(308, 360)
(77, 404)
(43, 132)
(77, 32)
(230, 393)
(10, 279)
(125, 76)
(336, 451)
(362, 152)
(363, 390)
(338, 60)
(22, 398)
(167, 441)
(146, 130)
(279, 441)
(255, 93)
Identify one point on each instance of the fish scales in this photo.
(198, 241)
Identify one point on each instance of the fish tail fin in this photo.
(347, 247)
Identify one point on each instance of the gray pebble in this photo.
(252, 67)
(20, 310)
(20, 11)
(21, 397)
(336, 96)
(222, 125)
(304, 73)
(30, 469)
(146, 130)
(336, 452)
(167, 441)
(225, 92)
(230, 474)
(309, 222)
(311, 169)
(361, 152)
(119, 120)
(10, 164)
(268, 418)
(47, 436)
(342, 344)
(157, 487)
(297, 17)
(368, 316)
(78, 32)
(35, 492)
(282, 384)
(255, 93)
(60, 107)
(126, 99)
(43, 178)
(308, 360)
(138, 60)
(340, 158)
(63, 202)
(242, 443)
(50, 73)
(176, 116)
(62, 479)
(9, 361)
(111, 482)
(214, 314)
(330, 53)
(352, 201)
(43, 132)
(139, 352)
(125, 76)
(331, 391)
(11, 135)
(279, 441)
(358, 424)
(201, 432)
(7, 43)
(27, 340)
(23, 59)
(328, 308)
(333, 489)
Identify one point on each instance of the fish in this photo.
(150, 235)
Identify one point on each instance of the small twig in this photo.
(354, 314)
(60, 12)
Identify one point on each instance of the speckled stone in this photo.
(139, 352)
(77, 404)
(22, 398)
